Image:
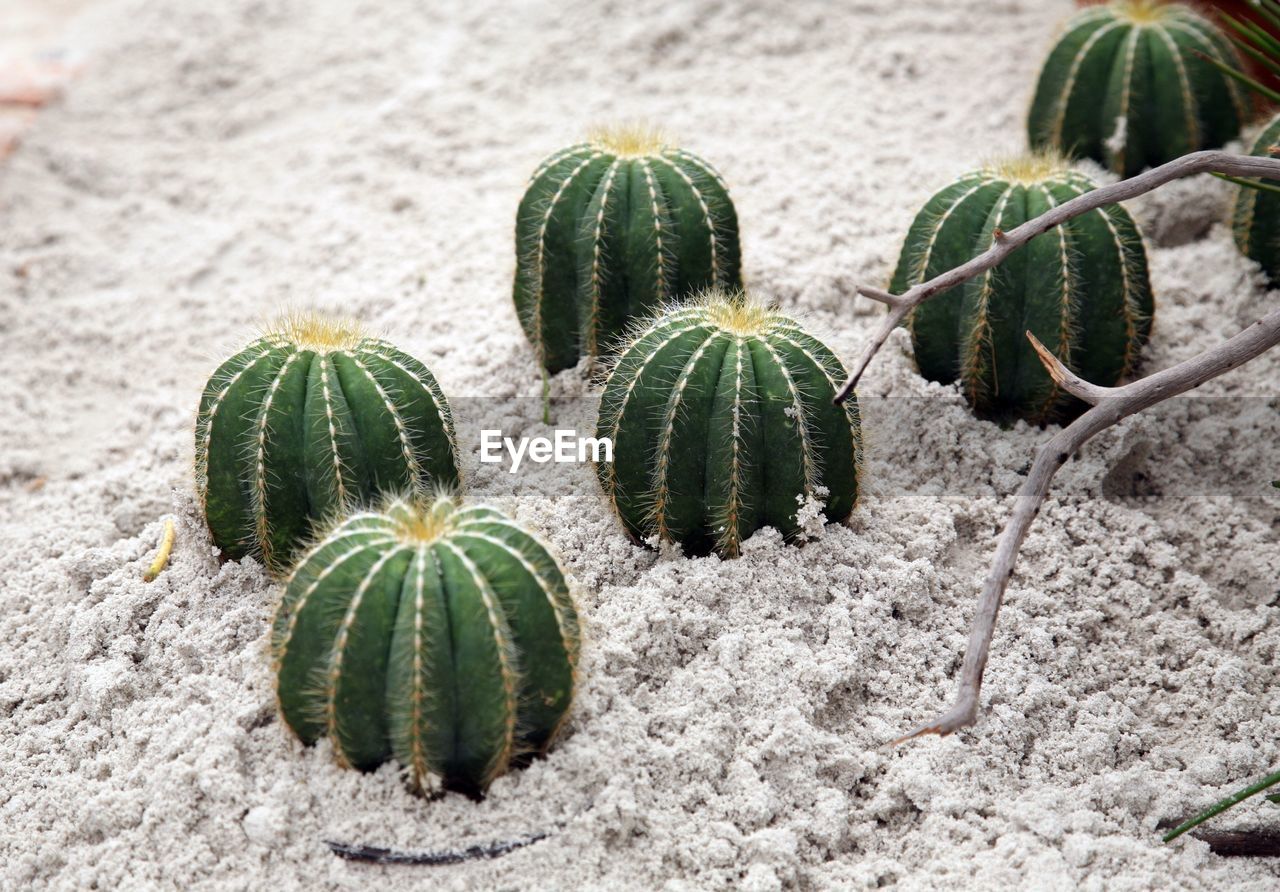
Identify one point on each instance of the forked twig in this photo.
(1005, 243)
(1110, 405)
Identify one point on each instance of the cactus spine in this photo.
(441, 635)
(1126, 85)
(1081, 288)
(609, 230)
(722, 417)
(305, 421)
(1255, 217)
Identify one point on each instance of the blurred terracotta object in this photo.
(32, 84)
(25, 87)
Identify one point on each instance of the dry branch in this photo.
(900, 305)
(1110, 405)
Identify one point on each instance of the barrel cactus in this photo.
(442, 635)
(1128, 85)
(609, 230)
(1256, 214)
(722, 418)
(1081, 288)
(308, 419)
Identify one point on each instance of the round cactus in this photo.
(445, 636)
(308, 419)
(608, 231)
(1081, 288)
(722, 420)
(1256, 215)
(1127, 84)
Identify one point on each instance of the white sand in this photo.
(219, 159)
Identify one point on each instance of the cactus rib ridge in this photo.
(1190, 106)
(596, 252)
(977, 340)
(1132, 313)
(668, 430)
(334, 675)
(716, 276)
(507, 661)
(1069, 85)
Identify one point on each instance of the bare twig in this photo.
(376, 855)
(1006, 243)
(1239, 843)
(1110, 405)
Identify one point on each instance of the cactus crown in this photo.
(722, 417)
(1029, 168)
(1142, 12)
(737, 314)
(306, 421)
(1081, 288)
(441, 634)
(421, 522)
(611, 229)
(1136, 83)
(629, 140)
(315, 331)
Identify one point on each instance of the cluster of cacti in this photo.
(1255, 216)
(1132, 84)
(446, 636)
(609, 230)
(309, 419)
(722, 418)
(442, 635)
(1081, 288)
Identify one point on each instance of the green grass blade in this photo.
(1255, 34)
(1270, 63)
(1219, 807)
(1241, 77)
(1260, 185)
(1269, 10)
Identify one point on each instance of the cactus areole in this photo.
(1127, 85)
(722, 421)
(611, 229)
(1081, 288)
(1255, 218)
(308, 420)
(442, 635)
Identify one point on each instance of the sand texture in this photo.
(216, 161)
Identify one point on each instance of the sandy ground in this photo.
(217, 161)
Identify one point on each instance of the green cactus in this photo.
(1081, 288)
(445, 636)
(1128, 85)
(308, 419)
(611, 229)
(1255, 218)
(722, 420)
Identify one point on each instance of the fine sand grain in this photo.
(215, 161)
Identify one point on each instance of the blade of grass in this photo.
(1219, 807)
(1260, 185)
(1240, 76)
(1269, 10)
(1266, 48)
(1254, 33)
